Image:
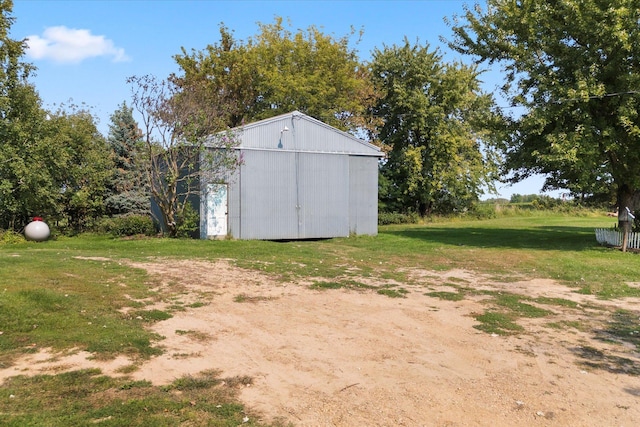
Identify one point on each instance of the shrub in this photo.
(188, 222)
(386, 218)
(9, 237)
(129, 225)
(483, 211)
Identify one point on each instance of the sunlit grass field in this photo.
(52, 296)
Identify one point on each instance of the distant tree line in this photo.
(572, 67)
(523, 198)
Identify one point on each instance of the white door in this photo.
(216, 210)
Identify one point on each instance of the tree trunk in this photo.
(625, 222)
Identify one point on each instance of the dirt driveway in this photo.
(341, 357)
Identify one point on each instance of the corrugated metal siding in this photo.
(234, 204)
(266, 136)
(304, 134)
(363, 195)
(309, 187)
(267, 188)
(323, 195)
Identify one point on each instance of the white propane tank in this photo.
(37, 230)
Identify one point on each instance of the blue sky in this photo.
(85, 49)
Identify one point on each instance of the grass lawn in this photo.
(52, 296)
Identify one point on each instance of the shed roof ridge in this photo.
(296, 113)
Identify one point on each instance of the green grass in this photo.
(86, 397)
(343, 284)
(560, 302)
(53, 295)
(392, 292)
(502, 318)
(447, 296)
(513, 303)
(49, 299)
(498, 323)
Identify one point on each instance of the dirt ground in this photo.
(357, 358)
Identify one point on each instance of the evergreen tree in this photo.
(128, 191)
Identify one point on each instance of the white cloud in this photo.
(68, 45)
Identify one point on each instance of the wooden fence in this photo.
(609, 237)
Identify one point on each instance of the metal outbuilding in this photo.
(299, 179)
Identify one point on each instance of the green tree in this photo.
(434, 119)
(80, 167)
(52, 165)
(573, 68)
(278, 71)
(25, 187)
(224, 72)
(181, 148)
(128, 192)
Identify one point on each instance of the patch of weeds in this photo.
(510, 308)
(135, 384)
(514, 304)
(343, 284)
(447, 296)
(238, 380)
(86, 397)
(327, 285)
(609, 291)
(395, 275)
(197, 304)
(206, 379)
(453, 285)
(562, 302)
(185, 355)
(127, 369)
(391, 292)
(574, 324)
(494, 322)
(250, 298)
(505, 279)
(196, 335)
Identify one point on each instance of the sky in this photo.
(84, 50)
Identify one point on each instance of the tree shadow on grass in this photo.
(623, 329)
(544, 237)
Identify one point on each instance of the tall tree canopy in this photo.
(574, 65)
(433, 118)
(278, 71)
(24, 190)
(53, 165)
(80, 166)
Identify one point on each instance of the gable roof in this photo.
(296, 131)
